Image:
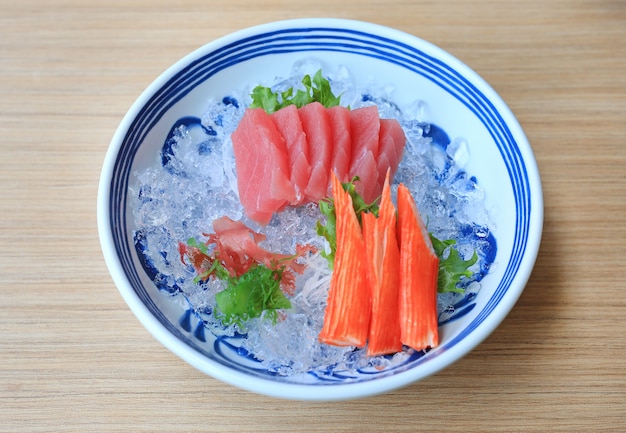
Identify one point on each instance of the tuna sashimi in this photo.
(367, 170)
(339, 117)
(316, 125)
(286, 158)
(263, 173)
(365, 134)
(391, 148)
(289, 125)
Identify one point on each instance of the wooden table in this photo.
(74, 359)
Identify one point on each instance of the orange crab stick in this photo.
(419, 267)
(383, 276)
(347, 315)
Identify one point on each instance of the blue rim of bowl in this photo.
(357, 38)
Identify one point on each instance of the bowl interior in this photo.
(457, 100)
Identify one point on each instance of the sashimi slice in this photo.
(383, 254)
(318, 183)
(390, 148)
(366, 168)
(365, 136)
(382, 163)
(316, 125)
(339, 117)
(289, 125)
(418, 295)
(237, 247)
(348, 308)
(263, 177)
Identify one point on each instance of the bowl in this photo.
(455, 101)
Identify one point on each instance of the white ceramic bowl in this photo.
(457, 100)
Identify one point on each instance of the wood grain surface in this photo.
(73, 358)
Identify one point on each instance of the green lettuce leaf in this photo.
(452, 267)
(315, 89)
(251, 294)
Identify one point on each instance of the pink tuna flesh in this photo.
(263, 174)
(316, 125)
(340, 125)
(289, 125)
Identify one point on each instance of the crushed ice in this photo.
(194, 182)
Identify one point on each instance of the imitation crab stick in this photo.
(383, 257)
(348, 309)
(419, 267)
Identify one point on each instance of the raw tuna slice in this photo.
(365, 132)
(391, 148)
(316, 125)
(263, 176)
(289, 125)
(367, 170)
(340, 124)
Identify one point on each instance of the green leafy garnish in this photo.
(249, 295)
(316, 89)
(452, 267)
(328, 229)
(256, 280)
